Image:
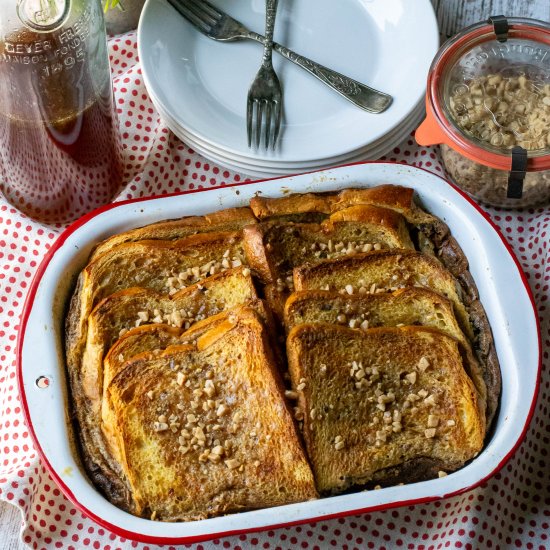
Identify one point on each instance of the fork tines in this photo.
(199, 12)
(267, 112)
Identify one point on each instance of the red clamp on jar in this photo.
(488, 106)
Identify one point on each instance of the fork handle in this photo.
(359, 94)
(270, 13)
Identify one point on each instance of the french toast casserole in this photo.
(299, 347)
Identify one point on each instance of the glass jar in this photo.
(488, 106)
(60, 155)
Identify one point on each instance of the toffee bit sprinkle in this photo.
(433, 421)
(430, 400)
(209, 388)
(441, 473)
(232, 463)
(429, 433)
(221, 410)
(423, 364)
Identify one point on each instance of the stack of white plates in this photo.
(200, 86)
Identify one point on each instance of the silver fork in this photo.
(265, 95)
(217, 25)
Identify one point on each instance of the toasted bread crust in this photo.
(230, 219)
(324, 306)
(290, 205)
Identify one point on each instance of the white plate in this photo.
(203, 84)
(261, 167)
(494, 269)
(416, 115)
(266, 171)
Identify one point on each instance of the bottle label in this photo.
(43, 15)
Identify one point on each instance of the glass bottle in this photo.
(60, 155)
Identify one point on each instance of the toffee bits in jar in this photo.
(488, 106)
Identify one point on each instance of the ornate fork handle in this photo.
(270, 13)
(359, 94)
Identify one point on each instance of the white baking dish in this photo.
(502, 286)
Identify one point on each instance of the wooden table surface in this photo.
(452, 15)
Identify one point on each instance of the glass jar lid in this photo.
(43, 15)
(489, 91)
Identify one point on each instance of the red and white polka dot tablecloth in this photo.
(512, 510)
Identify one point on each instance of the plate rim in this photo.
(142, 537)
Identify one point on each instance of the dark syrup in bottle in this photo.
(59, 146)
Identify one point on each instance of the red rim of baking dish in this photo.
(438, 129)
(140, 537)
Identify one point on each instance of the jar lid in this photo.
(43, 16)
(489, 92)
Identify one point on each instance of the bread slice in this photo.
(204, 430)
(410, 306)
(406, 306)
(381, 271)
(163, 266)
(112, 317)
(429, 233)
(231, 219)
(137, 306)
(274, 248)
(156, 338)
(386, 405)
(300, 206)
